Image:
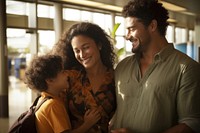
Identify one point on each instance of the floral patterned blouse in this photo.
(80, 98)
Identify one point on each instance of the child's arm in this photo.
(91, 117)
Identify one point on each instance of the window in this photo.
(86, 16)
(180, 35)
(108, 22)
(99, 19)
(45, 11)
(18, 40)
(46, 40)
(121, 29)
(120, 33)
(169, 34)
(16, 7)
(191, 35)
(71, 14)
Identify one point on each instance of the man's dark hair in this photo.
(42, 68)
(146, 11)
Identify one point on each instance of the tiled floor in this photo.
(20, 99)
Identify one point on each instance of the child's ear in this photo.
(49, 81)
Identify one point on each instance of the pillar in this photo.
(174, 33)
(58, 21)
(4, 63)
(33, 31)
(197, 39)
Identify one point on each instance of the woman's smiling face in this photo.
(86, 51)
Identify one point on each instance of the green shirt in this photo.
(167, 94)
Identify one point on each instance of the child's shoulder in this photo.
(52, 104)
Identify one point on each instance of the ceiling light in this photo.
(95, 4)
(172, 7)
(189, 13)
(170, 20)
(111, 7)
(83, 2)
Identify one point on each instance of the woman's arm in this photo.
(91, 117)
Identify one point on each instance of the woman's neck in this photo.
(97, 70)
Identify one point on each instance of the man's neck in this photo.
(154, 48)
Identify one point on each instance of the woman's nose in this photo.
(82, 54)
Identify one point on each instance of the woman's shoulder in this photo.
(109, 75)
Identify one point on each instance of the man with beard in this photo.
(157, 88)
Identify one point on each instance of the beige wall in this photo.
(20, 21)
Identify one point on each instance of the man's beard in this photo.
(136, 49)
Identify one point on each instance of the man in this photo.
(157, 88)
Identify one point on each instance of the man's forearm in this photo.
(181, 128)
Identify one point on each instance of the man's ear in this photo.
(153, 25)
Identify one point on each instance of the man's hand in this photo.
(180, 128)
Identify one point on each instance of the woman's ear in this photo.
(99, 46)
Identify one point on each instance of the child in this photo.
(46, 75)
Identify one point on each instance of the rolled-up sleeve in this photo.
(188, 97)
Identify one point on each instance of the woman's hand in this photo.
(121, 130)
(91, 117)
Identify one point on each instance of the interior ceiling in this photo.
(192, 6)
(183, 13)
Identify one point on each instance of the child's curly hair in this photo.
(42, 68)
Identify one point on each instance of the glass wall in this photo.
(45, 11)
(19, 35)
(180, 35)
(185, 41)
(17, 7)
(169, 34)
(101, 19)
(46, 34)
(18, 42)
(46, 40)
(71, 14)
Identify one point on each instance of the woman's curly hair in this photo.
(146, 11)
(42, 68)
(93, 31)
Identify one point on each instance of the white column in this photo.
(3, 63)
(197, 39)
(112, 21)
(173, 33)
(33, 25)
(33, 31)
(58, 21)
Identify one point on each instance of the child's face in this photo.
(61, 81)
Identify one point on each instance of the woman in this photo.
(89, 56)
